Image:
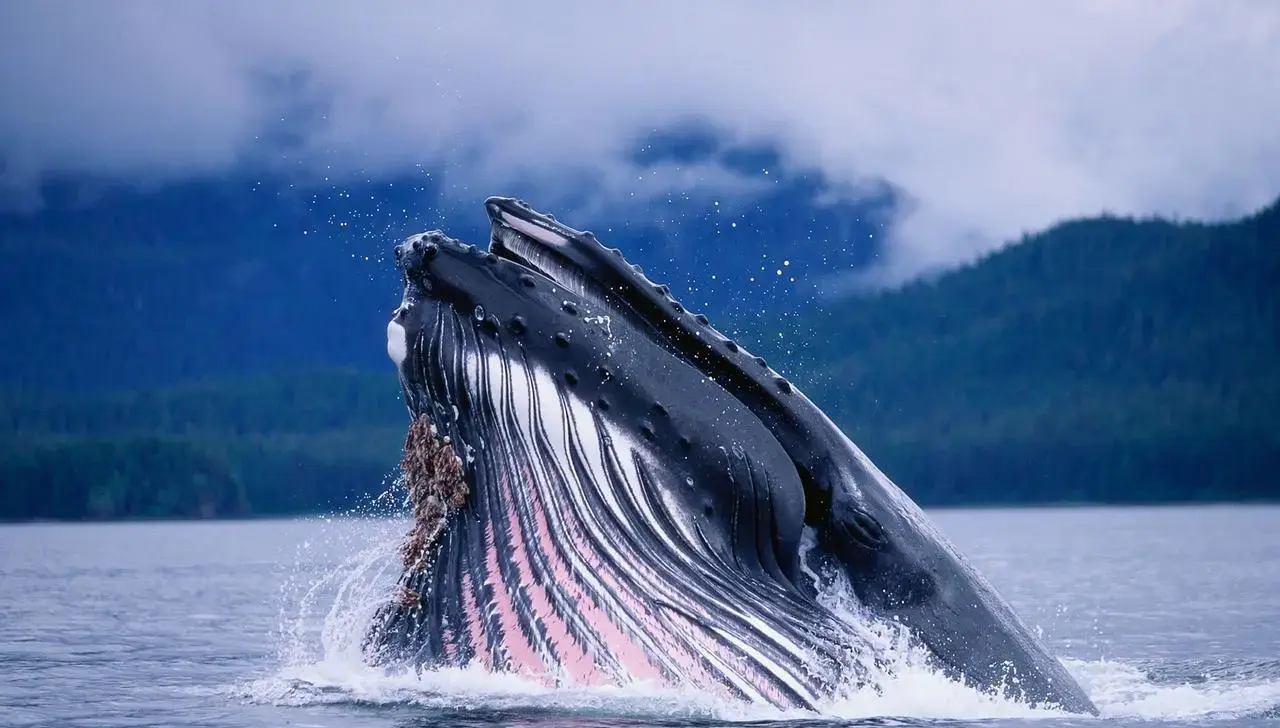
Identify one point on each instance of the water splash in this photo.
(339, 582)
(1127, 690)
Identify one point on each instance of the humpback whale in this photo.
(607, 489)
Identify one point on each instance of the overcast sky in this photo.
(994, 118)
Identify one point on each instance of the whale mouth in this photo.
(539, 242)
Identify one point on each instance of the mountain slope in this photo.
(1103, 359)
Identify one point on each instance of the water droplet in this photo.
(561, 340)
(478, 313)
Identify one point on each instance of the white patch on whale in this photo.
(397, 343)
(516, 234)
(537, 232)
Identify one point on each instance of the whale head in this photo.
(648, 500)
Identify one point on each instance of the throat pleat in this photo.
(572, 561)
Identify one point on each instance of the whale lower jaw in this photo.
(570, 564)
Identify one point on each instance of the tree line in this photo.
(1104, 360)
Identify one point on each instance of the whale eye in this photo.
(861, 529)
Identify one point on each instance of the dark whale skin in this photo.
(899, 564)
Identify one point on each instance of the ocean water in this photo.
(1168, 616)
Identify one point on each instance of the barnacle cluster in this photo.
(434, 479)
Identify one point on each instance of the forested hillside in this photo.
(285, 443)
(1103, 360)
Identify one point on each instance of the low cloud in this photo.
(991, 118)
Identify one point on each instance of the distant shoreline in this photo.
(1066, 505)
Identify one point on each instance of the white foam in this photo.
(1124, 690)
(324, 620)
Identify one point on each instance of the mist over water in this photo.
(1167, 616)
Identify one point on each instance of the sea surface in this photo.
(1168, 616)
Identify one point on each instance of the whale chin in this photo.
(605, 489)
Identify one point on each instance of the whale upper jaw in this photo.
(519, 216)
